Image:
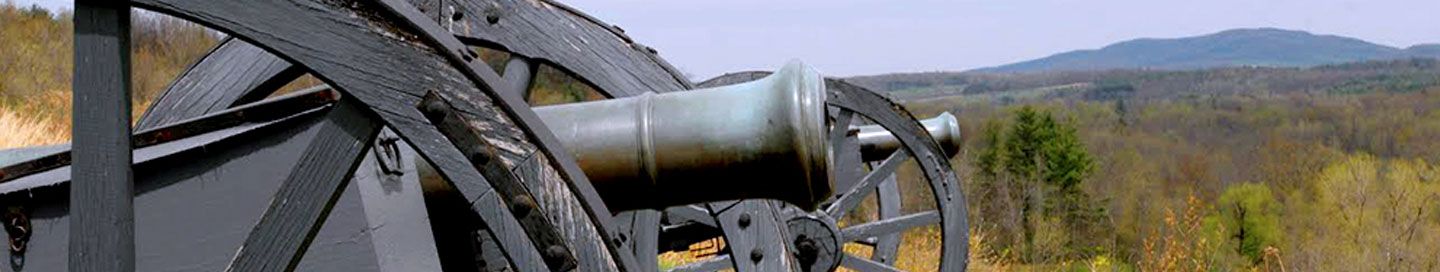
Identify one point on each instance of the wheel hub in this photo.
(816, 243)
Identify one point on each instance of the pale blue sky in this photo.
(857, 37)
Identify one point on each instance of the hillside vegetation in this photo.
(1390, 76)
(1260, 47)
(1320, 169)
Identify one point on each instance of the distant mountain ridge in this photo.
(1264, 47)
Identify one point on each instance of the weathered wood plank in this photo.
(197, 198)
(543, 233)
(644, 238)
(284, 232)
(103, 211)
(277, 108)
(233, 73)
(889, 226)
(553, 33)
(754, 234)
(395, 206)
(888, 199)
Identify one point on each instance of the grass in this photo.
(919, 251)
(21, 131)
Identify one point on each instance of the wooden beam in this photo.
(102, 230)
(754, 235)
(233, 73)
(302, 203)
(395, 207)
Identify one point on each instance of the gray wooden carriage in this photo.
(417, 156)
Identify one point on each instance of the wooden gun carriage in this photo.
(415, 155)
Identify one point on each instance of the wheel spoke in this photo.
(888, 226)
(888, 200)
(854, 195)
(863, 265)
(289, 224)
(102, 210)
(841, 127)
(717, 263)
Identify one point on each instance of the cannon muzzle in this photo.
(761, 139)
(876, 143)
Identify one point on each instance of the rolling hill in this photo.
(1259, 47)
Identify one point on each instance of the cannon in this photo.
(223, 172)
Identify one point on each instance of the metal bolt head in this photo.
(435, 110)
(744, 220)
(757, 255)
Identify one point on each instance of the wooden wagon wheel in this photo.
(405, 67)
(236, 72)
(814, 240)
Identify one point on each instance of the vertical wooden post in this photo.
(102, 217)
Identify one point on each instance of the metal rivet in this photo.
(434, 110)
(744, 220)
(757, 255)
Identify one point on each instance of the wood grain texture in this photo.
(889, 225)
(284, 232)
(351, 47)
(197, 198)
(566, 180)
(541, 230)
(754, 234)
(564, 208)
(394, 207)
(103, 211)
(887, 197)
(233, 73)
(553, 33)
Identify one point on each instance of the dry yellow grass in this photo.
(20, 131)
(919, 251)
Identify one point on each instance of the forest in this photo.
(1330, 168)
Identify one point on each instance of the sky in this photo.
(862, 37)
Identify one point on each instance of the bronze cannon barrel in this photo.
(876, 143)
(761, 139)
